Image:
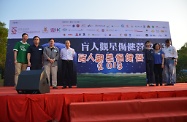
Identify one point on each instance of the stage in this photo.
(61, 104)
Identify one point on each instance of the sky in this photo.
(173, 11)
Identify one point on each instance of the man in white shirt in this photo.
(170, 62)
(67, 55)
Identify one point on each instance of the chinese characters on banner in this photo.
(112, 61)
(113, 46)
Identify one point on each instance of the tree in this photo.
(3, 45)
(182, 64)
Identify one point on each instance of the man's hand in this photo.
(15, 62)
(51, 61)
(162, 66)
(175, 63)
(29, 64)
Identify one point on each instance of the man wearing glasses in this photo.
(35, 54)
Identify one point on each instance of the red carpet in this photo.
(55, 105)
(142, 110)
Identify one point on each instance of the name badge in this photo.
(40, 48)
(55, 51)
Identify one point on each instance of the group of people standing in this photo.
(37, 57)
(160, 62)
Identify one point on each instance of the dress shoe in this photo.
(54, 87)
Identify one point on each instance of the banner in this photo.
(89, 29)
(108, 52)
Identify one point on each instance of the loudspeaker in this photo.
(33, 82)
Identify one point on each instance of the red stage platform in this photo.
(60, 104)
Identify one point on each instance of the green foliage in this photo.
(182, 64)
(3, 45)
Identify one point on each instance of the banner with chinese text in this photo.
(108, 52)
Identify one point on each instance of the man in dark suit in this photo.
(35, 54)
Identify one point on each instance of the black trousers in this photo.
(150, 71)
(158, 73)
(36, 66)
(67, 72)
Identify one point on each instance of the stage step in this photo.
(142, 110)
